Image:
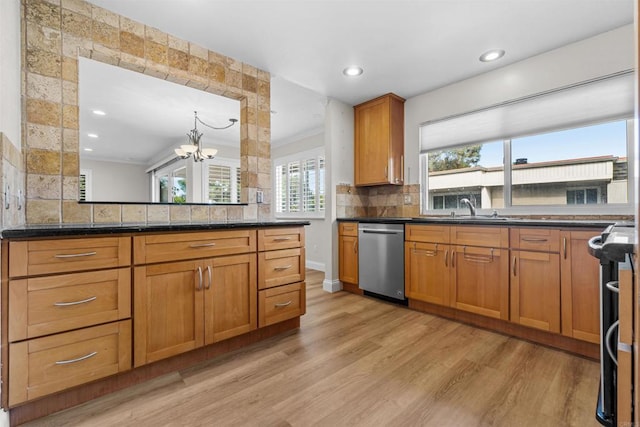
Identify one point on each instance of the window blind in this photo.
(220, 184)
(607, 98)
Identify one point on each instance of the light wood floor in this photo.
(359, 361)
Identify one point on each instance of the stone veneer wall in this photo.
(55, 33)
(379, 201)
(12, 196)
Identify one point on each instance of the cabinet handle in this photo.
(65, 304)
(514, 265)
(534, 239)
(209, 274)
(283, 304)
(477, 258)
(199, 279)
(79, 359)
(355, 246)
(202, 245)
(564, 247)
(453, 259)
(446, 258)
(284, 267)
(74, 255)
(386, 171)
(281, 239)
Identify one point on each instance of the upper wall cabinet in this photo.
(379, 141)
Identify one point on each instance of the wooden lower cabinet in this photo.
(183, 305)
(579, 286)
(45, 365)
(535, 290)
(281, 303)
(348, 257)
(427, 272)
(480, 281)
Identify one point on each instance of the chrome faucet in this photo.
(472, 209)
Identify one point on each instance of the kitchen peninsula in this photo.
(90, 310)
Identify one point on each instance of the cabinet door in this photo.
(535, 290)
(579, 277)
(427, 272)
(230, 297)
(168, 310)
(348, 252)
(372, 134)
(481, 281)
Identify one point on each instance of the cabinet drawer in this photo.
(281, 303)
(181, 246)
(280, 238)
(282, 267)
(427, 233)
(46, 365)
(348, 229)
(37, 257)
(46, 305)
(489, 237)
(535, 239)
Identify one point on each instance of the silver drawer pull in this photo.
(79, 359)
(283, 304)
(534, 239)
(74, 255)
(65, 304)
(281, 239)
(202, 245)
(284, 267)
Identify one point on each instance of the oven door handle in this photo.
(607, 341)
(613, 286)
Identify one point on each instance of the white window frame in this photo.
(585, 209)
(88, 184)
(300, 157)
(234, 165)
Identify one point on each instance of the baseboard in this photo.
(331, 285)
(314, 265)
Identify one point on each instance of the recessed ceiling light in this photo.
(99, 113)
(352, 71)
(92, 135)
(88, 149)
(492, 55)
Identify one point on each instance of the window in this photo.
(567, 149)
(586, 165)
(170, 184)
(299, 184)
(85, 185)
(222, 182)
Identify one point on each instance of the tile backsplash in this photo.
(379, 201)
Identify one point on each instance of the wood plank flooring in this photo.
(360, 361)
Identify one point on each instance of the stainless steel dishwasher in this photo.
(381, 259)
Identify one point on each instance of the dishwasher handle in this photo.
(380, 231)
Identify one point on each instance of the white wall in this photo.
(597, 56)
(10, 70)
(317, 246)
(339, 154)
(119, 182)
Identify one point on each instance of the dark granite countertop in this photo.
(66, 230)
(487, 220)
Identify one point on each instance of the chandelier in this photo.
(193, 148)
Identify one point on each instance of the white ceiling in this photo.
(406, 47)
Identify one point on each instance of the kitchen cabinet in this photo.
(379, 141)
(579, 288)
(281, 275)
(348, 252)
(480, 268)
(427, 269)
(180, 306)
(464, 267)
(535, 278)
(69, 310)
